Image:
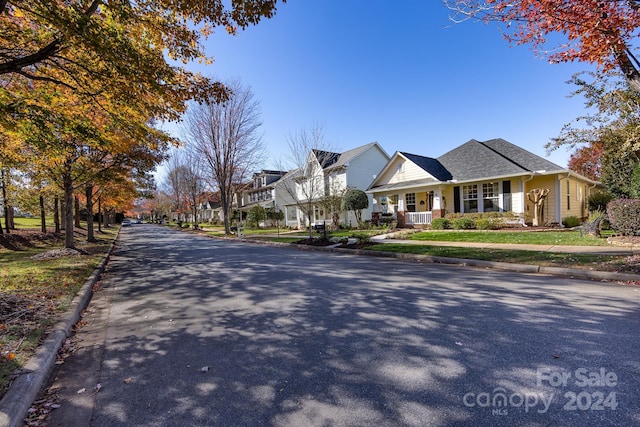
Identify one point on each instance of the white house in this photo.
(326, 176)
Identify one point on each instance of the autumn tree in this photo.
(225, 136)
(600, 32)
(130, 49)
(607, 136)
(122, 57)
(175, 184)
(158, 207)
(186, 182)
(76, 143)
(587, 160)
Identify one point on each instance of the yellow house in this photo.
(489, 176)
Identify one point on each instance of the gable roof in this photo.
(349, 155)
(329, 159)
(497, 157)
(472, 161)
(430, 165)
(325, 158)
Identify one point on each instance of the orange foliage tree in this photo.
(587, 161)
(595, 31)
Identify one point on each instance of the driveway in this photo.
(188, 330)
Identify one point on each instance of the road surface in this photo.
(193, 331)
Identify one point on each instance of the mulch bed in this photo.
(22, 239)
(313, 242)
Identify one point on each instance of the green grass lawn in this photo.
(571, 238)
(34, 222)
(33, 293)
(277, 239)
(502, 255)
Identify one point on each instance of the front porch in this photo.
(409, 209)
(418, 218)
(406, 218)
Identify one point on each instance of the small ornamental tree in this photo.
(624, 216)
(257, 214)
(274, 216)
(355, 200)
(537, 197)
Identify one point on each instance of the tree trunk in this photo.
(43, 219)
(224, 201)
(11, 223)
(631, 73)
(5, 202)
(225, 217)
(56, 213)
(100, 214)
(89, 195)
(67, 183)
(310, 212)
(76, 214)
(63, 213)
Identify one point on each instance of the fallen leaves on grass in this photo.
(59, 253)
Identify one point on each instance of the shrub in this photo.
(571, 221)
(483, 224)
(257, 214)
(440, 224)
(463, 223)
(496, 223)
(624, 216)
(598, 201)
(363, 238)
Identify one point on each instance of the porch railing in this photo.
(418, 218)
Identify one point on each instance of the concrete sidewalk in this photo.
(389, 238)
(604, 250)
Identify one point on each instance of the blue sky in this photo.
(399, 73)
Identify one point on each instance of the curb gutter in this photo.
(34, 375)
(576, 273)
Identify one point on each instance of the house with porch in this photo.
(262, 189)
(210, 210)
(489, 176)
(325, 177)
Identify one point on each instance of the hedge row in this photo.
(624, 216)
(466, 223)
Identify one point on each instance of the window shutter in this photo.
(456, 199)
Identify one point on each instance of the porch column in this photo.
(438, 210)
(401, 219)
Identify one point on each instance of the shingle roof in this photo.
(524, 158)
(347, 156)
(403, 184)
(430, 165)
(326, 158)
(497, 157)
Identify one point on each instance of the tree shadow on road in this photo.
(286, 340)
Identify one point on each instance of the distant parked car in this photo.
(138, 221)
(126, 222)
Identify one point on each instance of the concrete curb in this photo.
(576, 273)
(33, 377)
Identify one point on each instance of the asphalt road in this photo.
(192, 331)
